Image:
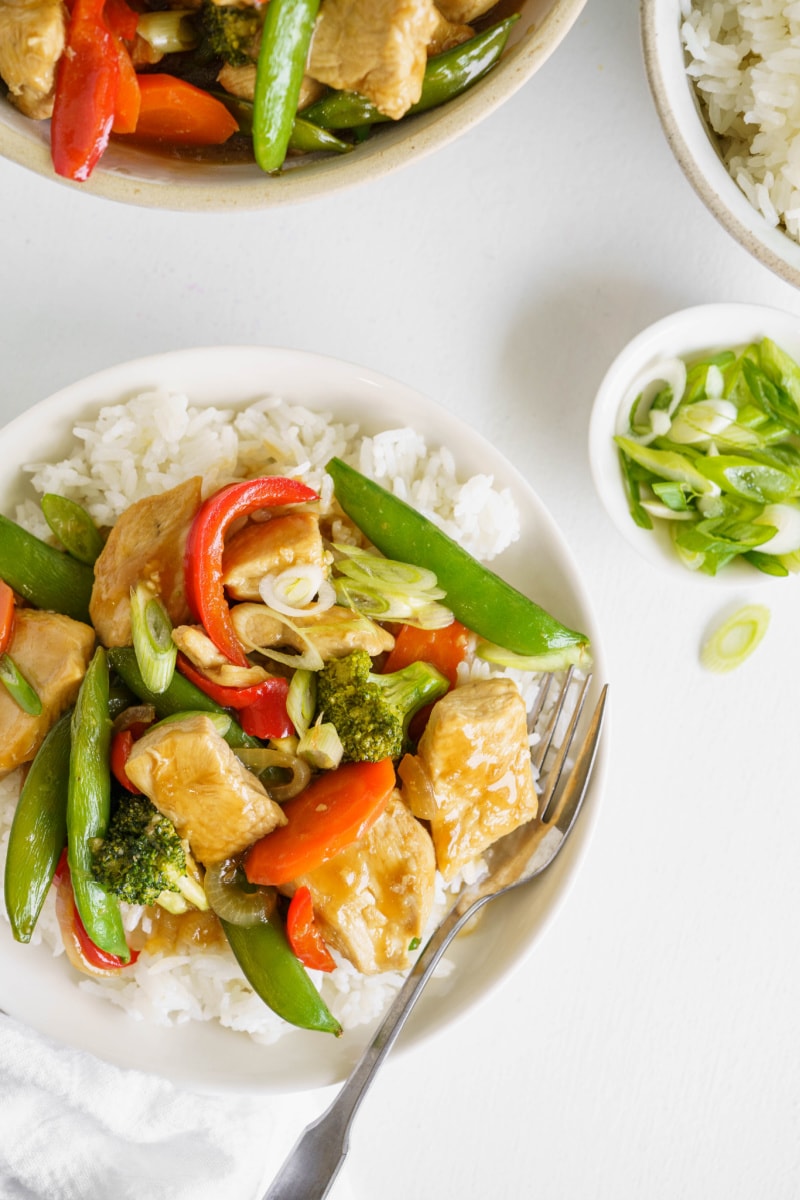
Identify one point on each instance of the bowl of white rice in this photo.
(724, 77)
(230, 412)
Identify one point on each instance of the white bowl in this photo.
(691, 332)
(44, 991)
(134, 176)
(695, 148)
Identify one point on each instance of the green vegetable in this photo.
(175, 31)
(723, 474)
(46, 577)
(735, 639)
(89, 808)
(228, 32)
(301, 699)
(372, 713)
(285, 40)
(151, 630)
(73, 527)
(142, 860)
(278, 976)
(180, 696)
(386, 590)
(481, 600)
(38, 831)
(18, 687)
(233, 898)
(321, 746)
(446, 75)
(305, 137)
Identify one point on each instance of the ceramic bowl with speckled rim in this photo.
(694, 146)
(135, 176)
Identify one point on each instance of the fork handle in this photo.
(316, 1158)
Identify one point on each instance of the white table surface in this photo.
(649, 1046)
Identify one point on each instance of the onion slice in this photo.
(292, 592)
(735, 639)
(229, 899)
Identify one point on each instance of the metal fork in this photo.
(313, 1164)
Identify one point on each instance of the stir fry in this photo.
(258, 79)
(258, 727)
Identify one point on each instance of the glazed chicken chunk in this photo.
(475, 755)
(376, 47)
(196, 645)
(374, 897)
(335, 632)
(267, 547)
(193, 777)
(146, 544)
(52, 652)
(32, 36)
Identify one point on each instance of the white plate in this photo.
(41, 990)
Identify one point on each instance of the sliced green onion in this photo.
(701, 421)
(18, 687)
(321, 746)
(388, 606)
(73, 527)
(669, 464)
(374, 569)
(735, 639)
(292, 592)
(301, 700)
(647, 408)
(235, 900)
(152, 638)
(555, 660)
(168, 32)
(220, 720)
(786, 520)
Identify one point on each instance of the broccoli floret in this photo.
(372, 713)
(229, 33)
(142, 859)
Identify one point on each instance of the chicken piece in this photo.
(52, 652)
(194, 642)
(375, 47)
(32, 39)
(476, 757)
(464, 11)
(266, 546)
(193, 777)
(334, 633)
(447, 34)
(146, 544)
(374, 898)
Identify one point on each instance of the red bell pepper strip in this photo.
(121, 746)
(205, 544)
(335, 810)
(121, 19)
(261, 707)
(87, 82)
(7, 611)
(99, 959)
(304, 934)
(181, 114)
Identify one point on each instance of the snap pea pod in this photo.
(479, 599)
(73, 527)
(285, 40)
(446, 75)
(180, 696)
(278, 976)
(305, 137)
(38, 831)
(89, 806)
(46, 577)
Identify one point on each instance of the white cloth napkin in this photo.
(75, 1128)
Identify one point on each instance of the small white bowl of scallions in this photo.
(694, 444)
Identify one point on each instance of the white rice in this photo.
(150, 444)
(744, 59)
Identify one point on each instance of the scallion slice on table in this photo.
(735, 639)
